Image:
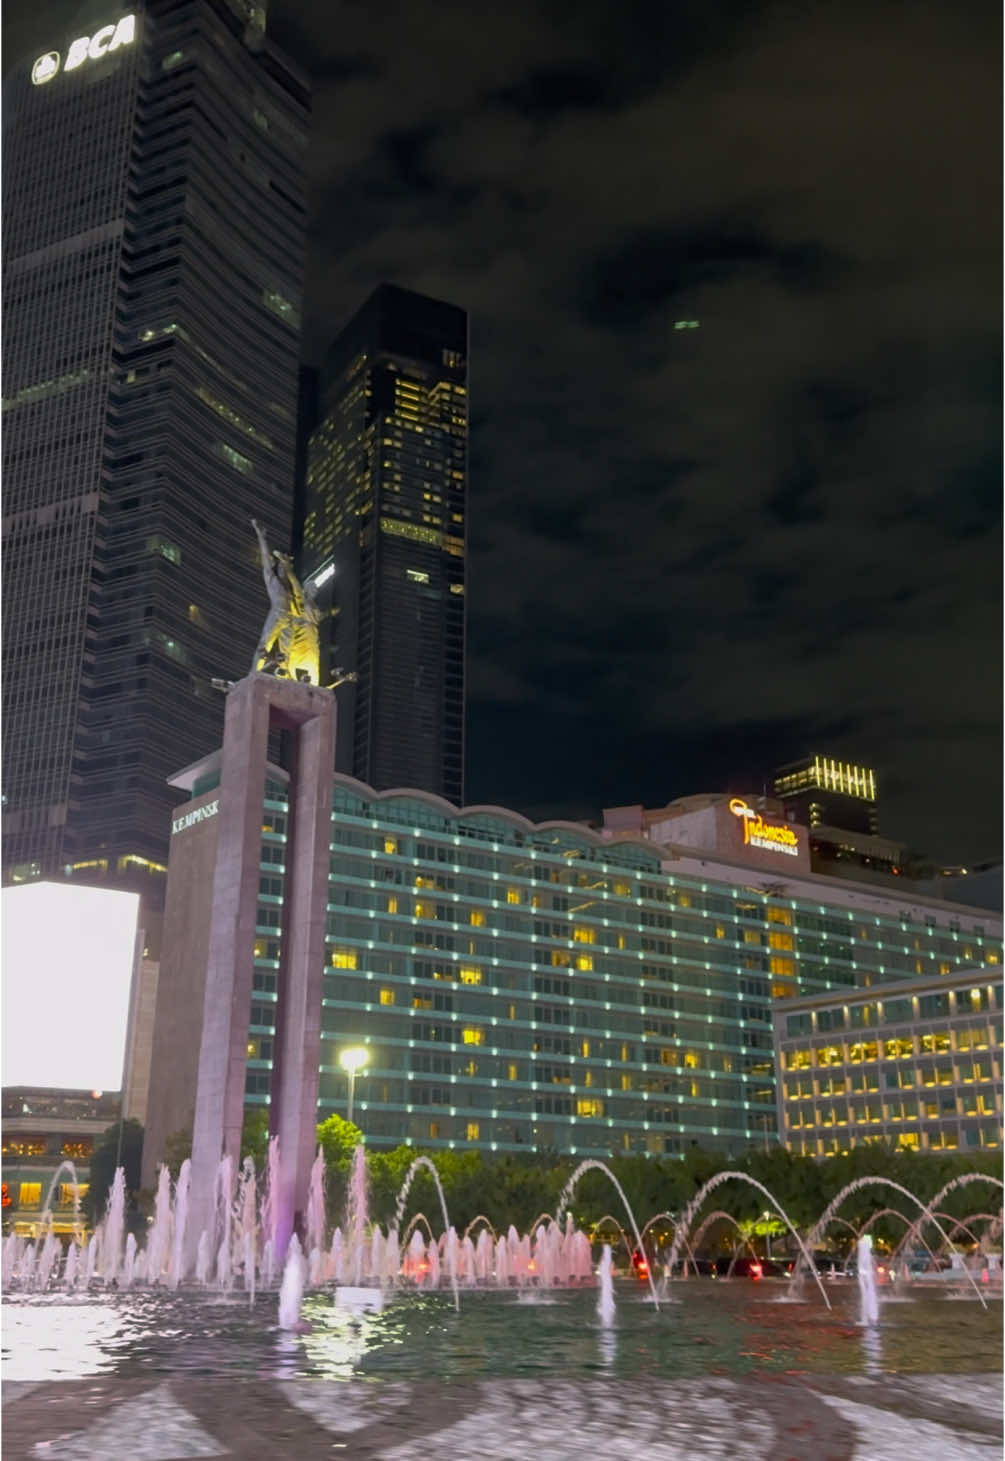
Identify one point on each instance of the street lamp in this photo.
(352, 1060)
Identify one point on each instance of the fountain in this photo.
(591, 1164)
(605, 1303)
(292, 1288)
(857, 1185)
(867, 1282)
(680, 1237)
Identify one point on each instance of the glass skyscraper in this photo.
(384, 538)
(153, 233)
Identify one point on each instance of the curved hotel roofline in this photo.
(506, 814)
(707, 859)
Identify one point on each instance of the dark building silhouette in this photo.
(823, 792)
(153, 235)
(384, 538)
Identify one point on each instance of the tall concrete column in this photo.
(297, 1059)
(256, 705)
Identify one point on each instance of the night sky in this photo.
(695, 553)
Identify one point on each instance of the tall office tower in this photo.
(384, 538)
(153, 236)
(829, 793)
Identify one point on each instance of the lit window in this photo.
(477, 918)
(589, 1106)
(779, 965)
(781, 941)
(585, 1048)
(387, 996)
(30, 1194)
(473, 1131)
(584, 961)
(512, 1071)
(390, 844)
(422, 1002)
(584, 934)
(560, 959)
(692, 1059)
(512, 895)
(344, 959)
(434, 1130)
(471, 1068)
(751, 936)
(425, 910)
(470, 975)
(684, 900)
(392, 904)
(473, 1035)
(720, 931)
(780, 915)
(417, 575)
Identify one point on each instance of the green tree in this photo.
(255, 1136)
(177, 1149)
(120, 1146)
(338, 1139)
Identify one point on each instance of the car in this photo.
(740, 1267)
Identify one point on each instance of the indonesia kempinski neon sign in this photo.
(85, 48)
(769, 836)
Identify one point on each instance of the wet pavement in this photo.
(773, 1416)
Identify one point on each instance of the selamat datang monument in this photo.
(280, 693)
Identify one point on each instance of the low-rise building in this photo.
(45, 1128)
(916, 1063)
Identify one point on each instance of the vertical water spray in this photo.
(159, 1233)
(356, 1218)
(605, 1302)
(315, 1233)
(180, 1223)
(113, 1227)
(292, 1287)
(868, 1297)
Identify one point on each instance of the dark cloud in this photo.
(696, 554)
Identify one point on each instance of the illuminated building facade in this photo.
(824, 792)
(916, 1064)
(520, 986)
(384, 538)
(153, 216)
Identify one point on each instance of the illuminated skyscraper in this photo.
(829, 793)
(384, 537)
(154, 222)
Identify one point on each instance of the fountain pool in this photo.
(708, 1329)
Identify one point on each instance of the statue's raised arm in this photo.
(288, 646)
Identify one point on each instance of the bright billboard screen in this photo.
(67, 970)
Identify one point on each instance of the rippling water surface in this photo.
(707, 1329)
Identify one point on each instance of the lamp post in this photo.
(351, 1061)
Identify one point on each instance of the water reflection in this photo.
(421, 1337)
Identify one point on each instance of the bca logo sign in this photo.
(86, 48)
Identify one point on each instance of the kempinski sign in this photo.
(201, 814)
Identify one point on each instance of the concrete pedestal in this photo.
(256, 705)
